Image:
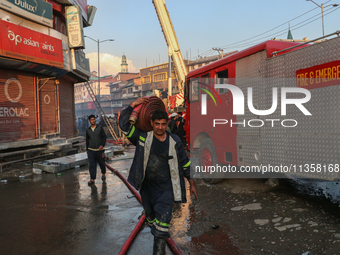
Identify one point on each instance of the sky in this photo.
(200, 25)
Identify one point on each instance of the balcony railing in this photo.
(128, 95)
(117, 104)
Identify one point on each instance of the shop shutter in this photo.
(17, 106)
(67, 111)
(47, 102)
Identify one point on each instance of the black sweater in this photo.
(95, 138)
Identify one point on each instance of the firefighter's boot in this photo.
(159, 246)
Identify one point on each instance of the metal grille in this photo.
(249, 71)
(316, 138)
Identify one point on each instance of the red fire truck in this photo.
(219, 136)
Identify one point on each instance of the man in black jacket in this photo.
(158, 170)
(95, 142)
(172, 123)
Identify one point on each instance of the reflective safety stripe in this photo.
(162, 223)
(131, 132)
(160, 228)
(142, 138)
(187, 164)
(151, 221)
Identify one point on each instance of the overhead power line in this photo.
(274, 27)
(247, 41)
(282, 32)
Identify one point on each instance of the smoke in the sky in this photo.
(109, 64)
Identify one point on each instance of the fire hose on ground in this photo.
(135, 231)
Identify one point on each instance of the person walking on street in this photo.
(158, 169)
(95, 142)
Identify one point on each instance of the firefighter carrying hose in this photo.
(158, 169)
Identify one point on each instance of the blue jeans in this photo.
(94, 158)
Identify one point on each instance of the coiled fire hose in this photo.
(141, 114)
(135, 231)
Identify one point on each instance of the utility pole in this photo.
(322, 8)
(98, 73)
(219, 50)
(98, 42)
(323, 21)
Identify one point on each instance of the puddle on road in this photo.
(200, 239)
(250, 207)
(214, 242)
(108, 207)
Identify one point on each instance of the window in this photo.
(205, 82)
(194, 89)
(159, 77)
(130, 90)
(146, 79)
(222, 78)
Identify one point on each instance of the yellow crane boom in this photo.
(171, 41)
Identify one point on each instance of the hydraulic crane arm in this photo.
(171, 41)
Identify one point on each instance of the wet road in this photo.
(51, 214)
(61, 214)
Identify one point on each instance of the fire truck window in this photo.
(222, 78)
(205, 81)
(194, 90)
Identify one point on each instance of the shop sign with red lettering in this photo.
(28, 45)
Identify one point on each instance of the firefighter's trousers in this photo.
(158, 206)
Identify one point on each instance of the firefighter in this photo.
(172, 123)
(158, 169)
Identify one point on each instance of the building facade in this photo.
(83, 102)
(39, 65)
(156, 78)
(123, 89)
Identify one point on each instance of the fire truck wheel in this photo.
(207, 157)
